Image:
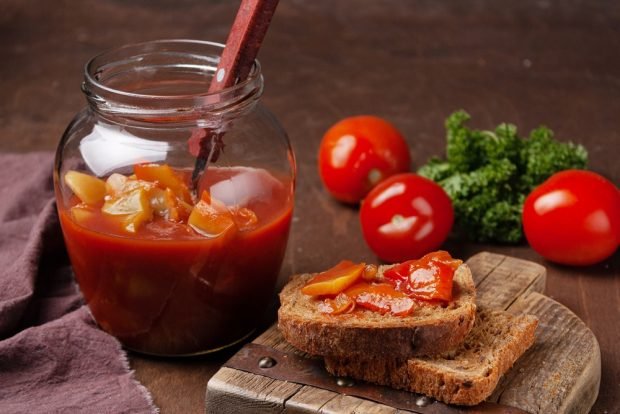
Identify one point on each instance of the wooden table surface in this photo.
(412, 62)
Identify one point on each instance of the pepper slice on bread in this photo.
(370, 310)
(428, 278)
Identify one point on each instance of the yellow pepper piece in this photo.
(90, 190)
(133, 208)
(166, 204)
(115, 184)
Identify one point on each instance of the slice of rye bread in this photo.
(466, 376)
(430, 330)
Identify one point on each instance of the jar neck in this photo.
(166, 81)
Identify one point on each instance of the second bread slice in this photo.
(432, 329)
(465, 376)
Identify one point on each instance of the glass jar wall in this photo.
(175, 203)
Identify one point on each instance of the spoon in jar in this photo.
(244, 41)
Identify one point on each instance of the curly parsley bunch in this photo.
(488, 174)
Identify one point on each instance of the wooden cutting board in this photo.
(560, 373)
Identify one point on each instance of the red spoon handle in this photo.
(244, 40)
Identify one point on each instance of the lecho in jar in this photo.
(170, 260)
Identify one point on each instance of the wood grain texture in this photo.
(370, 407)
(564, 362)
(503, 279)
(559, 374)
(233, 391)
(341, 404)
(243, 43)
(308, 400)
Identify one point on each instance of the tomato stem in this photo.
(397, 219)
(374, 176)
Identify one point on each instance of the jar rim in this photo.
(202, 57)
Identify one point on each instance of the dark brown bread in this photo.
(430, 330)
(465, 376)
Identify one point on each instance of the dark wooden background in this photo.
(529, 62)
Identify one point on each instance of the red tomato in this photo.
(405, 217)
(359, 152)
(573, 218)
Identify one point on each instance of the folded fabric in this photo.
(53, 358)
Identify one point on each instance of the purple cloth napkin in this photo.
(53, 358)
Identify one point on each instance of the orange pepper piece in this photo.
(90, 190)
(334, 280)
(165, 177)
(211, 217)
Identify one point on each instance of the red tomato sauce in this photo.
(168, 290)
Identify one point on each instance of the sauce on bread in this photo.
(349, 285)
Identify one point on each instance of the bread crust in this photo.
(364, 333)
(431, 377)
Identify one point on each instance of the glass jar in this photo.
(175, 203)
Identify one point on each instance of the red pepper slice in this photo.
(429, 278)
(340, 304)
(381, 297)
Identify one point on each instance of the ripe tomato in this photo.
(573, 218)
(357, 153)
(405, 217)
